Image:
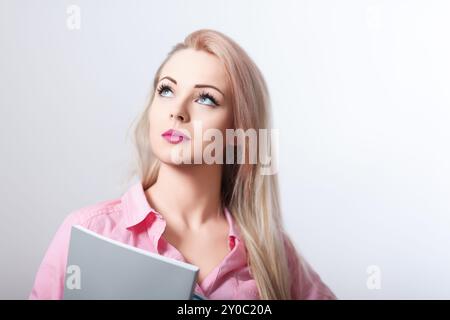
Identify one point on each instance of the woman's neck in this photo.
(188, 194)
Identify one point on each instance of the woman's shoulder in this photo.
(115, 212)
(101, 209)
(95, 214)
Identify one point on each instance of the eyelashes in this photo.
(202, 95)
(206, 95)
(163, 87)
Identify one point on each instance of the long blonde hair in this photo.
(251, 197)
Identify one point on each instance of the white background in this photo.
(360, 93)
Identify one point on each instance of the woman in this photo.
(223, 217)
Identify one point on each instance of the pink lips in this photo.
(174, 136)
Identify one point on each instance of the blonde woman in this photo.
(223, 217)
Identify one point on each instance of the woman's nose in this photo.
(180, 112)
(178, 116)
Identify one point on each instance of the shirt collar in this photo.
(137, 208)
(135, 205)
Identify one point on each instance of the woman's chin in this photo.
(173, 158)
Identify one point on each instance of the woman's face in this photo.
(191, 96)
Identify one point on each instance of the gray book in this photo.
(102, 268)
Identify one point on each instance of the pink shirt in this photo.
(131, 220)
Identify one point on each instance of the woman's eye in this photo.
(165, 93)
(203, 98)
(165, 90)
(206, 100)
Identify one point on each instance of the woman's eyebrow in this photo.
(196, 86)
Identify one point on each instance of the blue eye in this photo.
(164, 90)
(204, 96)
(202, 100)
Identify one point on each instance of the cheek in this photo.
(155, 123)
(157, 117)
(220, 120)
(154, 113)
